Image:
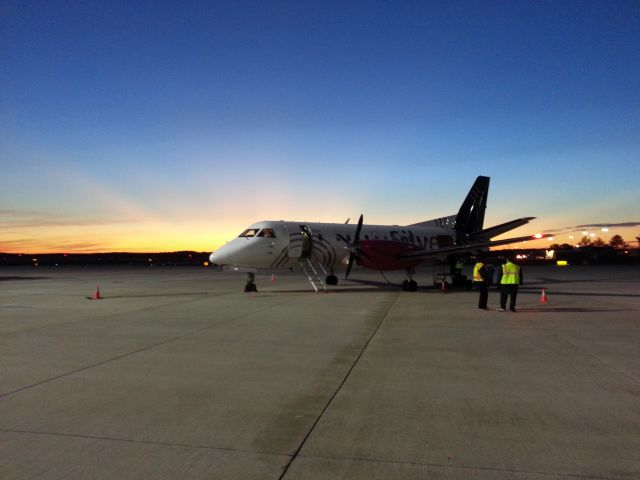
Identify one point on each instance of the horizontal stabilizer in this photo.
(489, 233)
(472, 247)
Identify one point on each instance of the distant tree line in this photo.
(164, 259)
(616, 242)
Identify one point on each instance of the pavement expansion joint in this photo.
(483, 468)
(139, 350)
(110, 315)
(342, 383)
(144, 442)
(603, 362)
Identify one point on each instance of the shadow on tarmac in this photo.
(337, 290)
(107, 297)
(529, 291)
(10, 279)
(555, 281)
(572, 310)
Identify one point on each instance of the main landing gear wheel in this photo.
(409, 285)
(331, 280)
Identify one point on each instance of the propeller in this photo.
(353, 247)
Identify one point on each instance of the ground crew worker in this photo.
(481, 280)
(509, 282)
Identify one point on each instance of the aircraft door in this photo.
(307, 241)
(300, 241)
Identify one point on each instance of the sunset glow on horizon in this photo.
(54, 234)
(173, 127)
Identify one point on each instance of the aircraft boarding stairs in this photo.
(312, 273)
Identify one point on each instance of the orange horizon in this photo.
(516, 246)
(196, 235)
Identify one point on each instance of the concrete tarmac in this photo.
(178, 374)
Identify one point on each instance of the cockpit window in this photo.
(267, 233)
(249, 232)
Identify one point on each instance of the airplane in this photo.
(322, 248)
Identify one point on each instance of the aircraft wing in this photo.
(425, 254)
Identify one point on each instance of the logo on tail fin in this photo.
(470, 218)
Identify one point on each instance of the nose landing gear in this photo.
(410, 285)
(250, 286)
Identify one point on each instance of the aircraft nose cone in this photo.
(221, 256)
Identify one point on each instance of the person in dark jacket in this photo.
(481, 280)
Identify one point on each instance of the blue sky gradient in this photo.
(172, 125)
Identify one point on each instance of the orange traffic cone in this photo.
(96, 296)
(543, 296)
(273, 278)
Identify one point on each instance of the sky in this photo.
(165, 126)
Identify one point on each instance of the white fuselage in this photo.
(323, 243)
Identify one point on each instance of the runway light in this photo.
(538, 235)
(562, 263)
(550, 239)
(605, 229)
(592, 234)
(570, 236)
(206, 264)
(585, 233)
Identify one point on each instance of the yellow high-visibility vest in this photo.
(476, 272)
(510, 274)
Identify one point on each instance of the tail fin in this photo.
(470, 218)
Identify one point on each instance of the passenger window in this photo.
(267, 233)
(249, 232)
